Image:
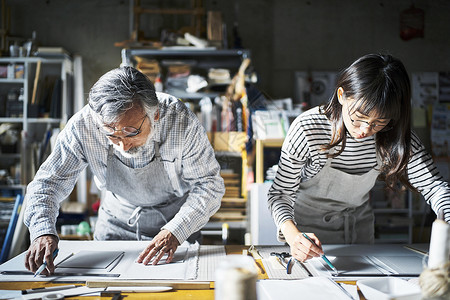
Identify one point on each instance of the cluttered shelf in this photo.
(188, 73)
(127, 53)
(14, 60)
(35, 102)
(30, 120)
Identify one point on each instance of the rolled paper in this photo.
(439, 244)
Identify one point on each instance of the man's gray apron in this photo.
(138, 202)
(334, 205)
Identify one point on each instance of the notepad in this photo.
(91, 259)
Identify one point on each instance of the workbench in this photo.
(207, 293)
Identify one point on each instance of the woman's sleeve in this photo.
(425, 177)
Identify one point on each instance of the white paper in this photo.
(10, 294)
(182, 267)
(316, 288)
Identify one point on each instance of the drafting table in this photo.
(118, 261)
(205, 263)
(352, 261)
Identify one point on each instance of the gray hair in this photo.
(119, 90)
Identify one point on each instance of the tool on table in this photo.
(305, 268)
(254, 254)
(56, 274)
(343, 289)
(116, 262)
(336, 273)
(116, 295)
(282, 259)
(54, 296)
(175, 284)
(44, 265)
(139, 289)
(49, 289)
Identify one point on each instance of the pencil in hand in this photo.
(336, 273)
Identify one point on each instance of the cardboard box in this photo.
(232, 141)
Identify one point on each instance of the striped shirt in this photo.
(302, 158)
(183, 142)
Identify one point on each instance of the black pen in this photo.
(49, 289)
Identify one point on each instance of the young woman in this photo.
(333, 155)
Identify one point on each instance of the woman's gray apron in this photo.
(138, 202)
(334, 205)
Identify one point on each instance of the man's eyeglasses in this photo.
(128, 131)
(373, 126)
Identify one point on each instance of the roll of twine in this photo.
(436, 282)
(236, 284)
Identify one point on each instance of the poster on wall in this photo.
(440, 130)
(431, 92)
(440, 138)
(425, 89)
(444, 87)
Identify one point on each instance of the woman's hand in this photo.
(164, 242)
(41, 249)
(301, 248)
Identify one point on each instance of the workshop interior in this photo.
(247, 70)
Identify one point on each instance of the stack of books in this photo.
(233, 206)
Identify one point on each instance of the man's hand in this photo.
(301, 248)
(41, 249)
(164, 242)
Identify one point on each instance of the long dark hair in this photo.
(380, 83)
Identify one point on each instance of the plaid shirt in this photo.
(183, 142)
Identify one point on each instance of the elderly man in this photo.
(149, 154)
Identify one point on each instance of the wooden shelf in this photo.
(260, 145)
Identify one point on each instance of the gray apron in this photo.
(138, 201)
(334, 205)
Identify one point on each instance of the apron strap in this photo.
(110, 150)
(133, 220)
(349, 223)
(157, 154)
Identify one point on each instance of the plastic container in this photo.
(389, 288)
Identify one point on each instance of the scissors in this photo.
(282, 259)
